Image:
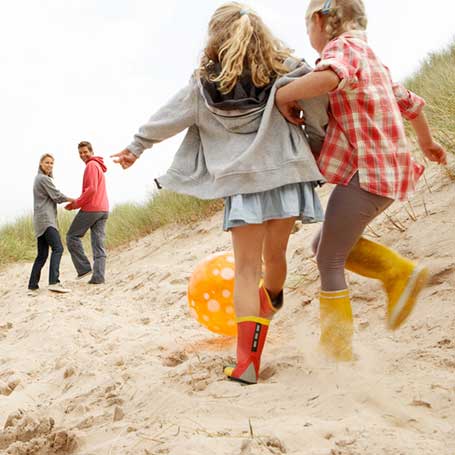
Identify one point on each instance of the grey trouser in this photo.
(96, 222)
(349, 210)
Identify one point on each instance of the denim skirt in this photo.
(293, 200)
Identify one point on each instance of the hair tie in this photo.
(326, 7)
(244, 11)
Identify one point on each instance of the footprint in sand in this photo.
(4, 329)
(198, 371)
(26, 435)
(260, 445)
(174, 358)
(269, 371)
(442, 274)
(7, 388)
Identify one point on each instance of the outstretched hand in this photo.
(70, 206)
(125, 158)
(435, 152)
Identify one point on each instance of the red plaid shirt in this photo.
(365, 132)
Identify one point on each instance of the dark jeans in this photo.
(50, 238)
(96, 222)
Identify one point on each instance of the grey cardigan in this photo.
(228, 152)
(45, 199)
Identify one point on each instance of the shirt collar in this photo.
(356, 34)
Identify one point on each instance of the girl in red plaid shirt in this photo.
(367, 156)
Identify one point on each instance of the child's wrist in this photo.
(426, 142)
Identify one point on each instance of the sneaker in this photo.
(82, 275)
(58, 287)
(95, 282)
(33, 292)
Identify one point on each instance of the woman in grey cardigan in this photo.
(45, 199)
(239, 147)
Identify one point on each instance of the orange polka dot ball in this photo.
(211, 293)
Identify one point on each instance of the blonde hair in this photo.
(238, 40)
(43, 157)
(342, 16)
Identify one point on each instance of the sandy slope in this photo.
(122, 369)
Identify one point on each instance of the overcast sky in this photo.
(95, 70)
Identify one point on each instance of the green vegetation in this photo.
(435, 82)
(133, 221)
(126, 222)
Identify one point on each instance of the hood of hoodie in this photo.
(99, 160)
(240, 110)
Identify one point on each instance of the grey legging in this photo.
(349, 210)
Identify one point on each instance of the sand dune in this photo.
(123, 369)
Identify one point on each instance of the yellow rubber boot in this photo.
(402, 279)
(336, 324)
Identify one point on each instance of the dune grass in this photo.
(126, 222)
(435, 82)
(132, 221)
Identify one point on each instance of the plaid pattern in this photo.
(365, 131)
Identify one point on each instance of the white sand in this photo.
(122, 368)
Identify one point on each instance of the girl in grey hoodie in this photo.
(240, 148)
(45, 199)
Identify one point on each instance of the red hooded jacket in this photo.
(94, 196)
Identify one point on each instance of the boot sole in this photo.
(236, 379)
(241, 381)
(408, 298)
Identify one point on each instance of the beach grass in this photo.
(435, 82)
(126, 222)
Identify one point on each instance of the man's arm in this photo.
(91, 182)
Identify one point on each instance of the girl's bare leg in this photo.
(274, 253)
(247, 242)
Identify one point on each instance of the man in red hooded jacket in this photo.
(93, 214)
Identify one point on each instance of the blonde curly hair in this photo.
(238, 40)
(341, 15)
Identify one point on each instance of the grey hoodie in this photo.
(237, 144)
(45, 200)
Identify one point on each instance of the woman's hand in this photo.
(125, 158)
(70, 206)
(434, 152)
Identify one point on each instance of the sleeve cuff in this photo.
(415, 110)
(136, 149)
(336, 67)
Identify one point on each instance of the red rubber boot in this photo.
(268, 306)
(251, 335)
